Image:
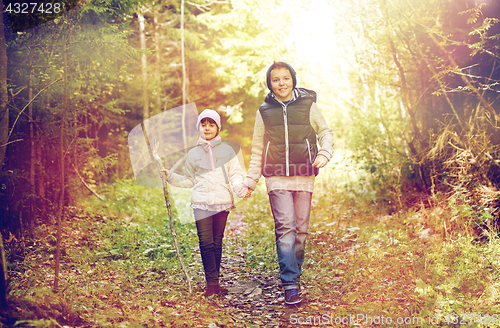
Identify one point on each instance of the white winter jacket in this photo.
(210, 189)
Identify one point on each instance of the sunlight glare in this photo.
(313, 32)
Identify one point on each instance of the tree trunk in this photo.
(4, 110)
(41, 179)
(4, 129)
(158, 84)
(405, 92)
(184, 82)
(61, 158)
(31, 217)
(144, 66)
(4, 278)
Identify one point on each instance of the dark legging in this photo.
(210, 226)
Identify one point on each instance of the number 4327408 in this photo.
(34, 8)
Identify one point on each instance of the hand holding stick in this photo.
(161, 166)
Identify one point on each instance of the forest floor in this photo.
(362, 269)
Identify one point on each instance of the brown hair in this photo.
(209, 120)
(278, 65)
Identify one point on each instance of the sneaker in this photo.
(210, 291)
(292, 296)
(221, 290)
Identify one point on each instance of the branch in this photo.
(8, 143)
(86, 185)
(29, 103)
(480, 97)
(161, 165)
(206, 7)
(441, 85)
(474, 76)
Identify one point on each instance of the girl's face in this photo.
(208, 130)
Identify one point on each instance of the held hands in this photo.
(320, 161)
(245, 192)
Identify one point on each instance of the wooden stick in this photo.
(161, 165)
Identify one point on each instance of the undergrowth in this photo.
(119, 266)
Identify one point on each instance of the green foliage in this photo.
(393, 266)
(419, 120)
(94, 37)
(37, 323)
(461, 278)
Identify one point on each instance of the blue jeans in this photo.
(210, 227)
(291, 212)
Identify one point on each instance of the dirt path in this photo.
(256, 299)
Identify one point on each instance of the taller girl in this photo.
(209, 169)
(288, 127)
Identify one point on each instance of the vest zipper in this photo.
(265, 156)
(287, 155)
(309, 150)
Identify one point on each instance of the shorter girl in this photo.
(209, 168)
